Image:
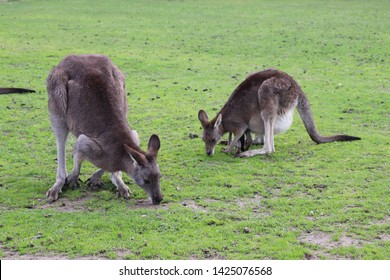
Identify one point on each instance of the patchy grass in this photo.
(306, 201)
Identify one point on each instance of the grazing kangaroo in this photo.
(263, 103)
(15, 90)
(87, 96)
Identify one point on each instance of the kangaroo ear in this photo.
(136, 156)
(203, 118)
(218, 121)
(154, 145)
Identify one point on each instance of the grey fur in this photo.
(87, 97)
(263, 103)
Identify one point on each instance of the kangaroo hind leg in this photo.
(61, 133)
(79, 155)
(94, 181)
(268, 111)
(269, 146)
(85, 148)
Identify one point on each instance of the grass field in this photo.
(305, 201)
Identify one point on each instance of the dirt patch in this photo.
(384, 237)
(66, 205)
(325, 243)
(146, 203)
(318, 238)
(207, 255)
(346, 241)
(324, 240)
(250, 202)
(253, 203)
(11, 255)
(121, 253)
(192, 205)
(384, 221)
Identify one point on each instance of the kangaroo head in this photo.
(144, 170)
(211, 131)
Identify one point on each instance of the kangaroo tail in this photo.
(15, 90)
(307, 118)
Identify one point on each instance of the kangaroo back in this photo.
(307, 118)
(88, 92)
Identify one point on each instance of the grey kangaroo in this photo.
(264, 104)
(87, 96)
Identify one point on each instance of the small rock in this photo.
(247, 230)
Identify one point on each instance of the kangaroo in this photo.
(15, 90)
(263, 103)
(87, 97)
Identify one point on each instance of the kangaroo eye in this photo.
(147, 182)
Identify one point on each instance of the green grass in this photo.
(308, 201)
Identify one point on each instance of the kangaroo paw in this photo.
(252, 153)
(73, 182)
(125, 192)
(95, 186)
(55, 190)
(52, 195)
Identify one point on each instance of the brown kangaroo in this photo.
(87, 96)
(15, 90)
(264, 104)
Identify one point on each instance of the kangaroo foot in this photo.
(252, 153)
(124, 192)
(52, 194)
(73, 182)
(95, 185)
(55, 190)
